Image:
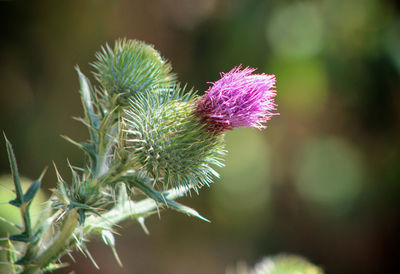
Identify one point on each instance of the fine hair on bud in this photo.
(130, 67)
(170, 142)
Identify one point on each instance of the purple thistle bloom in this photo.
(238, 99)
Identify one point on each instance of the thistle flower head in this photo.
(238, 99)
(170, 142)
(129, 68)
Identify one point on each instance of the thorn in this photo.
(143, 225)
(72, 257)
(158, 210)
(114, 251)
(91, 258)
(42, 174)
(60, 179)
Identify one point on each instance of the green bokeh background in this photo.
(322, 181)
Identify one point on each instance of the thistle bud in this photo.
(131, 67)
(170, 142)
(283, 263)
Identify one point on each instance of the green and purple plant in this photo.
(151, 141)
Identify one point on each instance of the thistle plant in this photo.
(150, 142)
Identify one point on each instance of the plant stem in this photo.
(124, 211)
(24, 208)
(58, 245)
(114, 216)
(101, 166)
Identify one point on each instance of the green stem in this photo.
(124, 211)
(101, 166)
(24, 208)
(58, 245)
(114, 216)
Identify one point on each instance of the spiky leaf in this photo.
(19, 200)
(161, 198)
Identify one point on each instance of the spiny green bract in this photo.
(131, 67)
(170, 142)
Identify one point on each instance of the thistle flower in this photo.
(238, 99)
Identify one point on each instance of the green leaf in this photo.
(20, 199)
(160, 198)
(14, 171)
(88, 148)
(22, 237)
(15, 203)
(87, 102)
(32, 190)
(29, 194)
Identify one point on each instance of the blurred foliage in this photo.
(322, 181)
(329, 164)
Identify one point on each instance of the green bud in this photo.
(283, 264)
(170, 142)
(131, 67)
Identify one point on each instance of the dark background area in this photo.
(323, 181)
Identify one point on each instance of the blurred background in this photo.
(322, 181)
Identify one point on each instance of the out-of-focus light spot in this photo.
(329, 173)
(352, 26)
(241, 196)
(353, 14)
(302, 84)
(295, 30)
